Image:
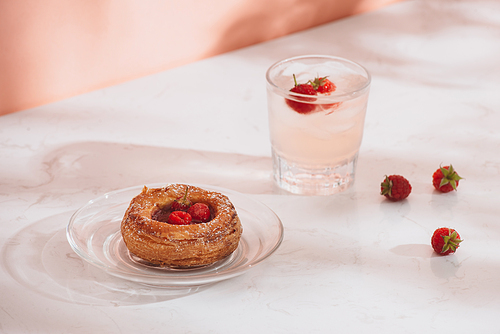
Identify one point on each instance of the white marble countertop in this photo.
(349, 263)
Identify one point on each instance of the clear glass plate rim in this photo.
(177, 280)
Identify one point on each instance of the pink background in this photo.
(53, 49)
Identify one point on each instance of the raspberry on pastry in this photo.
(148, 235)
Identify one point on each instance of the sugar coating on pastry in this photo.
(171, 245)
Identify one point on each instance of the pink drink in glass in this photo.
(315, 152)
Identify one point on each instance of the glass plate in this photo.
(94, 234)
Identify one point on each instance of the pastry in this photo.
(148, 235)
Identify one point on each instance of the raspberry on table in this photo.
(395, 187)
(445, 179)
(445, 241)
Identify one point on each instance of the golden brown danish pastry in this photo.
(148, 235)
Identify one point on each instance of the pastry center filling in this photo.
(161, 215)
(197, 213)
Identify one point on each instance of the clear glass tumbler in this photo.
(315, 135)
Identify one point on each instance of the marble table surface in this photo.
(349, 263)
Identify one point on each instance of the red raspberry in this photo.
(179, 218)
(182, 203)
(330, 107)
(445, 179)
(323, 85)
(200, 212)
(302, 107)
(395, 187)
(445, 241)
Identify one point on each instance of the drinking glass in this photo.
(315, 139)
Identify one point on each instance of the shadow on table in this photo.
(39, 258)
(102, 166)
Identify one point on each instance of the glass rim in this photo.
(286, 92)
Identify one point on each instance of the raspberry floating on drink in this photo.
(304, 89)
(320, 85)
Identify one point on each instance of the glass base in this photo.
(313, 181)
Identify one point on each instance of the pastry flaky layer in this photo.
(180, 245)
